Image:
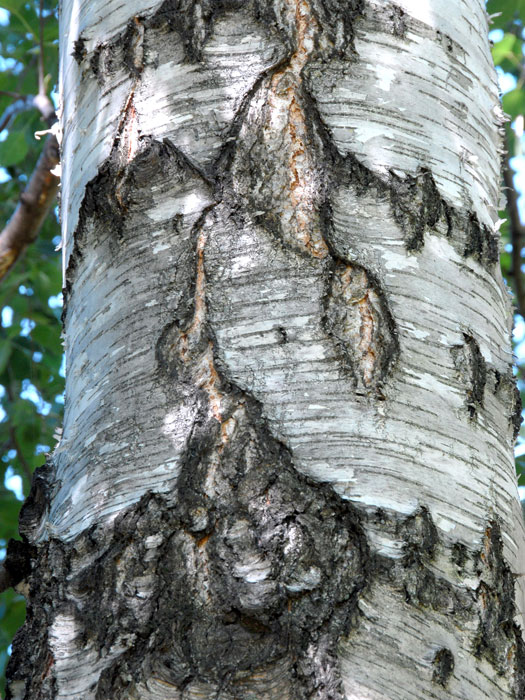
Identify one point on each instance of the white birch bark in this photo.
(286, 466)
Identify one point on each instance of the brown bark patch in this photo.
(360, 322)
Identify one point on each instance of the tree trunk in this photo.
(286, 465)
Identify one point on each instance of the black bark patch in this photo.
(505, 389)
(31, 665)
(420, 535)
(94, 63)
(416, 206)
(443, 666)
(17, 563)
(106, 60)
(515, 417)
(459, 556)
(499, 639)
(36, 504)
(282, 334)
(480, 243)
(398, 19)
(421, 586)
(125, 52)
(472, 370)
(413, 575)
(337, 19)
(79, 49)
(193, 20)
(99, 199)
(132, 42)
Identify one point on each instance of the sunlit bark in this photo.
(286, 465)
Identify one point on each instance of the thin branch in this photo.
(46, 108)
(517, 234)
(10, 93)
(22, 104)
(22, 228)
(33, 206)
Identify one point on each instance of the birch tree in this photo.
(286, 463)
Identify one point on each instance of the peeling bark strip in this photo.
(286, 457)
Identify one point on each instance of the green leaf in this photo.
(5, 353)
(509, 47)
(13, 150)
(12, 5)
(514, 102)
(506, 10)
(520, 468)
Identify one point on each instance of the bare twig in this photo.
(517, 234)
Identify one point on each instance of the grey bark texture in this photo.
(286, 465)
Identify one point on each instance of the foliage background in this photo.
(31, 372)
(31, 361)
